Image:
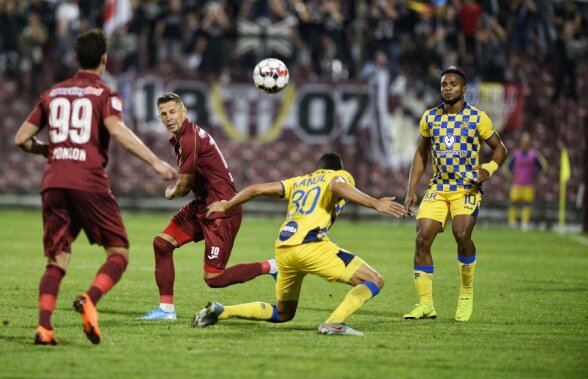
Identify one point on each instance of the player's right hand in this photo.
(388, 206)
(409, 203)
(217, 207)
(165, 170)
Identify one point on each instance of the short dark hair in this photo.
(169, 96)
(89, 48)
(456, 71)
(330, 161)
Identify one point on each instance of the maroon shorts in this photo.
(67, 211)
(218, 234)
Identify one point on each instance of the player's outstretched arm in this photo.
(499, 154)
(273, 189)
(129, 140)
(385, 205)
(25, 139)
(417, 169)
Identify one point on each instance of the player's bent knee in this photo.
(217, 281)
(60, 261)
(461, 235)
(118, 254)
(162, 246)
(211, 282)
(379, 281)
(375, 278)
(422, 242)
(121, 260)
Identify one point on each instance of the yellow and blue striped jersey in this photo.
(456, 140)
(312, 207)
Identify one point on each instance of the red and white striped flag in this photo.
(116, 14)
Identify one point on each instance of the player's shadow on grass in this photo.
(363, 311)
(240, 326)
(18, 339)
(28, 342)
(136, 313)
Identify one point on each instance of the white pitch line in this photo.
(577, 238)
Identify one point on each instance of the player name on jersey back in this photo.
(71, 153)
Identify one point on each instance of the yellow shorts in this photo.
(324, 259)
(438, 205)
(522, 194)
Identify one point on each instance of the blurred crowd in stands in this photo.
(328, 39)
(541, 44)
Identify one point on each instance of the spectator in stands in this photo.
(336, 21)
(265, 29)
(429, 41)
(545, 31)
(31, 42)
(310, 26)
(524, 165)
(168, 36)
(383, 15)
(192, 41)
(449, 26)
(11, 23)
(124, 49)
(67, 18)
(215, 29)
(522, 14)
(470, 14)
(493, 59)
(567, 20)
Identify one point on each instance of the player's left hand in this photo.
(216, 207)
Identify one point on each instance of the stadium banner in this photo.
(384, 123)
(504, 103)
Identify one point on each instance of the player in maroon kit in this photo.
(204, 171)
(81, 114)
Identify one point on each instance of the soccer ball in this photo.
(271, 75)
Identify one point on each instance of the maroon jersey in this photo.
(197, 153)
(74, 113)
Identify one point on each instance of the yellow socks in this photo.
(467, 266)
(526, 215)
(251, 311)
(512, 216)
(423, 281)
(354, 299)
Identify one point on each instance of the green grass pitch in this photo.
(530, 316)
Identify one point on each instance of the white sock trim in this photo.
(273, 266)
(168, 308)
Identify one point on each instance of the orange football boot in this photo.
(45, 337)
(87, 310)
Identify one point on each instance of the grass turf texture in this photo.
(530, 315)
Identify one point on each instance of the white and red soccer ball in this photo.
(271, 75)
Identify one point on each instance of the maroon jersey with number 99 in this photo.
(73, 111)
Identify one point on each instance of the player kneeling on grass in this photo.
(303, 247)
